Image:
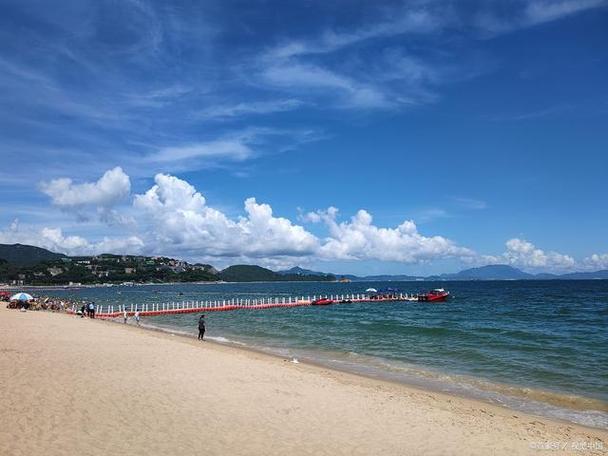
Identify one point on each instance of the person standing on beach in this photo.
(124, 316)
(137, 317)
(201, 327)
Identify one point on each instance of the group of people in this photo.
(40, 303)
(87, 310)
(125, 316)
(137, 317)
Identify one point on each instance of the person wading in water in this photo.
(201, 327)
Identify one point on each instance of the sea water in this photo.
(535, 346)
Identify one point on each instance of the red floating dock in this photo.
(224, 305)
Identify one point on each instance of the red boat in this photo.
(436, 295)
(322, 302)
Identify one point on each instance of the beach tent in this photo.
(22, 297)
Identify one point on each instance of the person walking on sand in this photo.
(137, 317)
(201, 327)
(124, 316)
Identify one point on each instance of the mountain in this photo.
(247, 273)
(303, 272)
(490, 272)
(380, 278)
(17, 260)
(383, 278)
(372, 278)
(251, 273)
(603, 274)
(27, 255)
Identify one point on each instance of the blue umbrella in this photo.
(22, 297)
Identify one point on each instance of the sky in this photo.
(413, 137)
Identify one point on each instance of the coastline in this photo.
(156, 393)
(520, 397)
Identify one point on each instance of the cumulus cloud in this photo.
(111, 188)
(54, 239)
(173, 218)
(360, 239)
(596, 261)
(182, 220)
(525, 254)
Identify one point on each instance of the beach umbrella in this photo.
(22, 297)
(371, 290)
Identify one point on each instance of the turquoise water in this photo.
(536, 346)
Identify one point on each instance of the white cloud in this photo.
(596, 262)
(360, 239)
(525, 254)
(55, 240)
(301, 75)
(352, 93)
(173, 218)
(182, 220)
(408, 20)
(531, 13)
(110, 189)
(228, 149)
(179, 219)
(241, 109)
(236, 146)
(545, 11)
(391, 79)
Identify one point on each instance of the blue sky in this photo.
(447, 134)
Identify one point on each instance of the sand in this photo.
(90, 387)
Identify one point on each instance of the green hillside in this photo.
(27, 255)
(251, 273)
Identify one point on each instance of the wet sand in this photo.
(79, 386)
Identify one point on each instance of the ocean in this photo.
(535, 346)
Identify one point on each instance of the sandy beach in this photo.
(79, 386)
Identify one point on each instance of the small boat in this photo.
(322, 302)
(436, 295)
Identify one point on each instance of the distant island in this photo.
(29, 265)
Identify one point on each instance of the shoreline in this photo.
(426, 387)
(180, 387)
(542, 401)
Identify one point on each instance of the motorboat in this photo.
(322, 302)
(436, 295)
